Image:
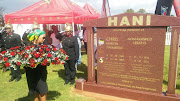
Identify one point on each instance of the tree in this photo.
(2, 17)
(2, 10)
(141, 10)
(130, 10)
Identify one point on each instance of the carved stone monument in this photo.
(130, 57)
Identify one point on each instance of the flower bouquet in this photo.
(32, 56)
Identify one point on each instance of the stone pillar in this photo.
(90, 53)
(173, 63)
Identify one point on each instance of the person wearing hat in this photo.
(36, 77)
(9, 40)
(28, 31)
(71, 47)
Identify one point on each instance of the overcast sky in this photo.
(116, 6)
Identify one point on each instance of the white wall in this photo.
(168, 38)
(21, 28)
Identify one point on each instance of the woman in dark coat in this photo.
(36, 77)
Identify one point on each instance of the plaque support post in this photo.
(173, 63)
(91, 57)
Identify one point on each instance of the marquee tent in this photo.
(92, 10)
(50, 12)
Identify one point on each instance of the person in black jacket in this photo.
(71, 47)
(36, 77)
(9, 40)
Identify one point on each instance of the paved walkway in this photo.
(99, 97)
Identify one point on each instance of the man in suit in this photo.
(71, 47)
(9, 40)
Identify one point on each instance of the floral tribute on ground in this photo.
(32, 56)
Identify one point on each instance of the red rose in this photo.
(19, 53)
(53, 63)
(22, 51)
(17, 47)
(26, 56)
(12, 48)
(34, 52)
(62, 62)
(3, 52)
(18, 63)
(43, 63)
(66, 58)
(58, 62)
(7, 64)
(31, 60)
(41, 50)
(56, 58)
(5, 59)
(61, 49)
(47, 49)
(49, 55)
(45, 60)
(36, 55)
(44, 45)
(27, 47)
(54, 49)
(32, 46)
(32, 65)
(12, 53)
(40, 55)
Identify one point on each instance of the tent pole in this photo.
(73, 28)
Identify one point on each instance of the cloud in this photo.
(120, 6)
(96, 4)
(16, 5)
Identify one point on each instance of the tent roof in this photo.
(54, 11)
(91, 10)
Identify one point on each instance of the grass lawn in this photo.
(166, 70)
(11, 91)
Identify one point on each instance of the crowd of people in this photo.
(36, 78)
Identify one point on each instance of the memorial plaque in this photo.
(131, 57)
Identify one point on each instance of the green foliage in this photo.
(130, 10)
(141, 10)
(166, 71)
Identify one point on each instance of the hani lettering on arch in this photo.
(125, 21)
